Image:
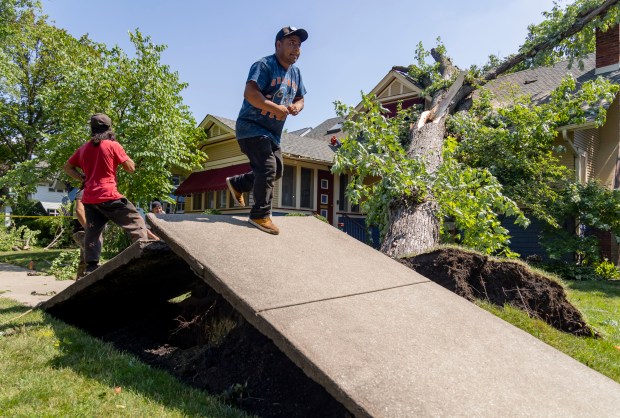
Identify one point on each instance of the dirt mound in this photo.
(475, 276)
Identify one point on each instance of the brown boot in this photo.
(237, 196)
(265, 224)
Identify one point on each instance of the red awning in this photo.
(208, 180)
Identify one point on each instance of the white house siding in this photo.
(51, 201)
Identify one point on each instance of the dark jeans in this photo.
(266, 161)
(78, 237)
(122, 212)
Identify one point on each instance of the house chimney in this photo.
(607, 50)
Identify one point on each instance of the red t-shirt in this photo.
(99, 164)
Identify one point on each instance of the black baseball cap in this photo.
(100, 122)
(291, 30)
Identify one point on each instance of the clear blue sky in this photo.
(352, 44)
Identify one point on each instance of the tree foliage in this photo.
(55, 82)
(381, 171)
(502, 156)
(517, 142)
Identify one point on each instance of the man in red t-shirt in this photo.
(99, 159)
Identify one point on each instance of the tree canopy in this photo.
(53, 83)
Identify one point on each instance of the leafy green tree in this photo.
(57, 82)
(142, 96)
(516, 142)
(593, 207)
(33, 58)
(414, 215)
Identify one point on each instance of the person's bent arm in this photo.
(256, 98)
(129, 166)
(70, 170)
(151, 235)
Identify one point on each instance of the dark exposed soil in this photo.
(475, 276)
(203, 342)
(206, 344)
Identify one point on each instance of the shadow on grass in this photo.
(611, 288)
(100, 361)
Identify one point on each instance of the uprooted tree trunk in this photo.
(414, 225)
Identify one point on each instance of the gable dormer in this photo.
(396, 87)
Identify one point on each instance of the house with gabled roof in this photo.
(307, 186)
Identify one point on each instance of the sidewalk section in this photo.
(17, 284)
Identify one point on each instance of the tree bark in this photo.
(413, 225)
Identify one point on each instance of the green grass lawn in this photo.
(53, 369)
(42, 258)
(599, 302)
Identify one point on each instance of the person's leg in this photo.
(259, 151)
(78, 237)
(277, 153)
(124, 214)
(95, 222)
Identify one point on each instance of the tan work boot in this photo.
(265, 224)
(237, 197)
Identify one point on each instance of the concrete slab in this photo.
(309, 261)
(383, 340)
(17, 284)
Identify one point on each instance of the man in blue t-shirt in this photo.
(273, 91)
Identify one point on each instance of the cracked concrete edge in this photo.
(126, 256)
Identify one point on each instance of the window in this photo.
(210, 200)
(180, 205)
(324, 199)
(221, 198)
(307, 186)
(288, 186)
(324, 213)
(197, 201)
(324, 184)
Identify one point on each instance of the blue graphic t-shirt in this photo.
(277, 84)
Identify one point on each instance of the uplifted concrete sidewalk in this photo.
(16, 283)
(383, 340)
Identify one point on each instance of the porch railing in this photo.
(356, 227)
